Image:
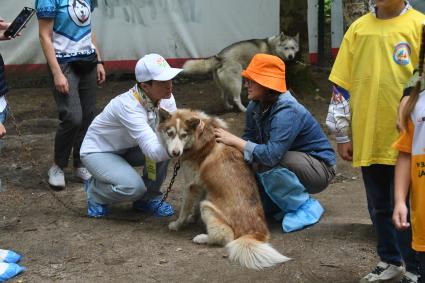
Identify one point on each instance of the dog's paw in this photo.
(201, 239)
(228, 106)
(175, 225)
(191, 219)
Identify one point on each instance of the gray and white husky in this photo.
(228, 64)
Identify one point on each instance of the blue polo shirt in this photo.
(72, 27)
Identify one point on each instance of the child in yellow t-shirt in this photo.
(376, 59)
(410, 168)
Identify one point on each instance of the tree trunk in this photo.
(353, 9)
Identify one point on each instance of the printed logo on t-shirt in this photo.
(79, 10)
(401, 54)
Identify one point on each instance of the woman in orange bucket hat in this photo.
(284, 144)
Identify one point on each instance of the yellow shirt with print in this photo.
(413, 141)
(374, 62)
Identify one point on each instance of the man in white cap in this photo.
(122, 136)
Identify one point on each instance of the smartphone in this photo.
(19, 22)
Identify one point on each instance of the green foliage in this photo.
(328, 4)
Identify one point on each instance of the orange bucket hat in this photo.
(268, 71)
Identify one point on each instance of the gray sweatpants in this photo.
(115, 180)
(76, 111)
(314, 174)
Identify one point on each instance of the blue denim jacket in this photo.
(286, 126)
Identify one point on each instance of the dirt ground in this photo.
(59, 244)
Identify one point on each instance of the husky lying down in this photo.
(228, 64)
(231, 210)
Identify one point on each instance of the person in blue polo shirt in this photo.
(75, 65)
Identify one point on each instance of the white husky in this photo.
(228, 64)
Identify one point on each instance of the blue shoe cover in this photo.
(307, 214)
(283, 188)
(9, 270)
(269, 206)
(96, 210)
(9, 256)
(153, 207)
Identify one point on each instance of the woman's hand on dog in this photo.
(225, 137)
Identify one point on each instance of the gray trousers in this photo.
(314, 174)
(76, 111)
(115, 180)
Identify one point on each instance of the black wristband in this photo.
(101, 62)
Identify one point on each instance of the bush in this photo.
(328, 4)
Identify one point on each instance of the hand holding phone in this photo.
(19, 22)
(3, 25)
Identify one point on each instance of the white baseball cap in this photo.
(154, 67)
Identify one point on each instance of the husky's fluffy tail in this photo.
(201, 66)
(251, 253)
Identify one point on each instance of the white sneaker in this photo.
(56, 177)
(384, 272)
(82, 173)
(410, 277)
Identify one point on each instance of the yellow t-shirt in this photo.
(413, 141)
(374, 62)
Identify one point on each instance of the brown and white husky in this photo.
(232, 209)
